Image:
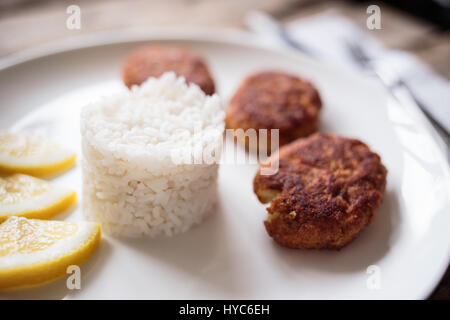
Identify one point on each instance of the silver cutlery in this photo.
(394, 84)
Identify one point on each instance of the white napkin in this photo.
(325, 36)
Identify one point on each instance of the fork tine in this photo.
(357, 53)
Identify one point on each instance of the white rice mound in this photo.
(132, 182)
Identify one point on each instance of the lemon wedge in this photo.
(32, 155)
(35, 252)
(22, 195)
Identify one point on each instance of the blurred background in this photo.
(420, 27)
(417, 29)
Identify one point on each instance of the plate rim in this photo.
(230, 36)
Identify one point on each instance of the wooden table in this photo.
(29, 23)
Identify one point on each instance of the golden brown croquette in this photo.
(275, 100)
(327, 189)
(153, 61)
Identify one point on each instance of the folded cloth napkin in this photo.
(325, 36)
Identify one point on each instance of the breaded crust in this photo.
(275, 100)
(327, 189)
(153, 61)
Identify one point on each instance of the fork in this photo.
(395, 85)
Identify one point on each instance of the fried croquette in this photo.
(275, 100)
(327, 189)
(153, 61)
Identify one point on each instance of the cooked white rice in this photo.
(133, 181)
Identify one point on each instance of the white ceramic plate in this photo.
(230, 254)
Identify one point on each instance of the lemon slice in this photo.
(32, 155)
(22, 195)
(35, 252)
